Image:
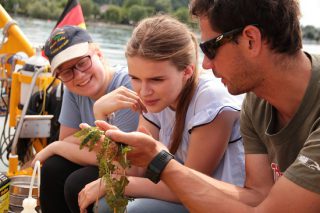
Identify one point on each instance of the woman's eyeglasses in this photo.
(209, 48)
(82, 65)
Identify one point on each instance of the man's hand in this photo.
(104, 126)
(144, 147)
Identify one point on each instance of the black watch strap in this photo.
(157, 165)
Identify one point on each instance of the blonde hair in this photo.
(96, 48)
(163, 38)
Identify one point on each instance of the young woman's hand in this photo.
(90, 193)
(120, 98)
(45, 153)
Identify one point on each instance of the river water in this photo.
(112, 39)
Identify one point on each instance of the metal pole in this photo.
(24, 110)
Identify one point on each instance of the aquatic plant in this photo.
(112, 161)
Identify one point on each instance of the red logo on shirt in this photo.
(276, 171)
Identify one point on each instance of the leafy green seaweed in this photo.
(112, 160)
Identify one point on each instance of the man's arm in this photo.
(257, 186)
(206, 194)
(201, 193)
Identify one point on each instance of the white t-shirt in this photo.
(210, 99)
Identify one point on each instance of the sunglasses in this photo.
(209, 48)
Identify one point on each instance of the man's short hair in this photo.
(278, 20)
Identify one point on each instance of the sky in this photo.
(310, 10)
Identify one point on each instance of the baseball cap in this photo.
(66, 43)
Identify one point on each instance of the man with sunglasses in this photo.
(79, 64)
(255, 47)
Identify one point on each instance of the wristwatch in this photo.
(157, 165)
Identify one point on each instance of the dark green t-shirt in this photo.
(294, 150)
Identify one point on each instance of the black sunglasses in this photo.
(209, 48)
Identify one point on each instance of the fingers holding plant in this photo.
(107, 154)
(121, 98)
(104, 126)
(143, 147)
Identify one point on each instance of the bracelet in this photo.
(110, 117)
(157, 165)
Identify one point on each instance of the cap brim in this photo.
(72, 52)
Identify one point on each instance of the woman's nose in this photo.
(145, 89)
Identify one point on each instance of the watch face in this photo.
(157, 165)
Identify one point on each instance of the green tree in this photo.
(310, 32)
(8, 5)
(102, 1)
(23, 6)
(43, 10)
(150, 3)
(182, 14)
(130, 3)
(61, 3)
(163, 6)
(115, 2)
(87, 6)
(137, 12)
(124, 16)
(96, 11)
(113, 14)
(176, 4)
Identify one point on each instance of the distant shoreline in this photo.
(305, 41)
(100, 23)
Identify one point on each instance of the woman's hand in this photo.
(120, 98)
(90, 193)
(45, 153)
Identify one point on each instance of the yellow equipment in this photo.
(35, 127)
(17, 41)
(22, 84)
(13, 40)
